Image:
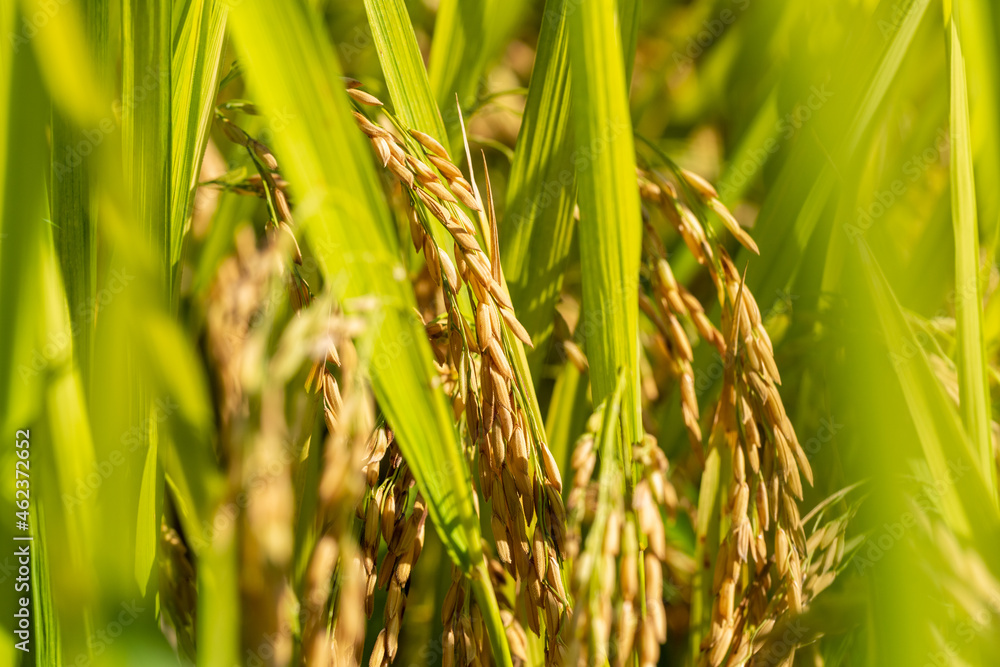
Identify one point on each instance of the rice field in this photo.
(570, 332)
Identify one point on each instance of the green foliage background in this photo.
(859, 140)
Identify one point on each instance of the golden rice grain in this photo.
(430, 143)
(361, 97)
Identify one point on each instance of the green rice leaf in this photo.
(409, 88)
(973, 388)
(567, 415)
(146, 130)
(537, 227)
(403, 68)
(73, 214)
(59, 42)
(146, 118)
(610, 222)
(197, 49)
(629, 16)
(75, 50)
(40, 388)
(46, 624)
(706, 548)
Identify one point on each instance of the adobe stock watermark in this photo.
(883, 200)
(267, 650)
(711, 30)
(226, 515)
(706, 378)
(900, 10)
(784, 129)
(30, 25)
(130, 441)
(967, 630)
(59, 341)
(554, 15)
(100, 641)
(877, 545)
(93, 137)
(276, 121)
(920, 340)
(776, 650)
(7, 568)
(554, 187)
(356, 43)
(828, 428)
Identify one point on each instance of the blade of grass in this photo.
(49, 646)
(198, 37)
(629, 16)
(706, 548)
(567, 414)
(403, 68)
(65, 439)
(21, 228)
(409, 88)
(146, 117)
(537, 229)
(609, 205)
(146, 133)
(58, 42)
(291, 65)
(611, 482)
(73, 213)
(73, 209)
(968, 508)
(973, 388)
(978, 31)
(40, 390)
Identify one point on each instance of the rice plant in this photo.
(575, 332)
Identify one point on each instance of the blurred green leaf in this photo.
(968, 507)
(146, 140)
(567, 415)
(797, 199)
(59, 40)
(21, 235)
(629, 18)
(973, 388)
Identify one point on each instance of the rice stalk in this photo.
(516, 469)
